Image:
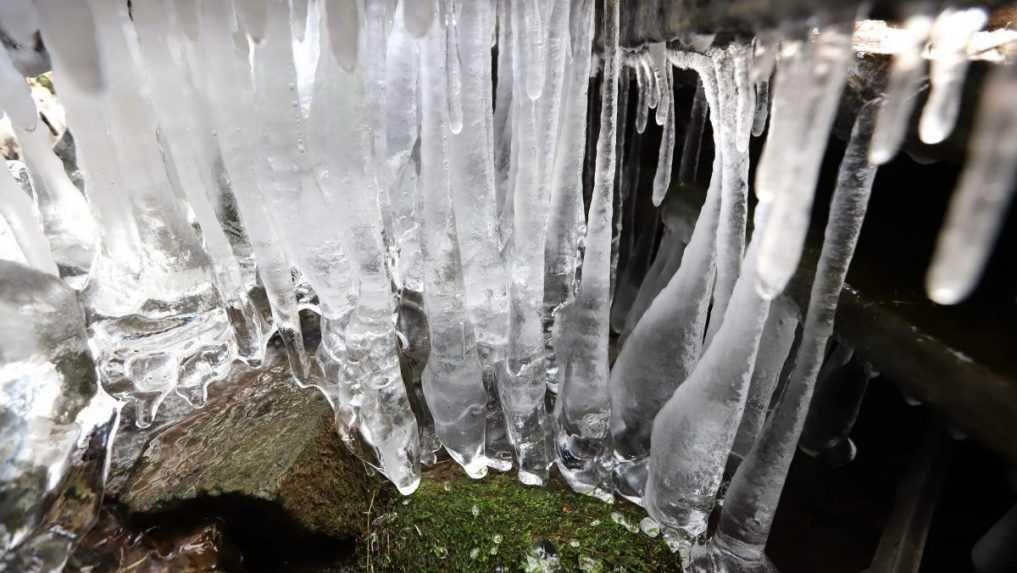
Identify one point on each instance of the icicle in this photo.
(298, 18)
(903, 84)
(689, 167)
(343, 23)
(375, 25)
(583, 408)
(253, 17)
(453, 380)
(66, 220)
(734, 201)
(658, 55)
(665, 158)
(474, 196)
(502, 123)
(774, 347)
(642, 105)
(809, 83)
(190, 162)
(533, 33)
(950, 35)
(17, 210)
(837, 399)
(745, 95)
(523, 386)
(228, 90)
(453, 68)
(984, 192)
(665, 344)
(755, 490)
(619, 198)
(70, 30)
(762, 108)
(15, 96)
(417, 15)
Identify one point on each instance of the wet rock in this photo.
(265, 449)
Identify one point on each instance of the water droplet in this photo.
(474, 553)
(440, 552)
(497, 538)
(475, 510)
(650, 527)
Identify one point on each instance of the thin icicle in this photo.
(984, 193)
(653, 77)
(810, 78)
(68, 224)
(15, 96)
(533, 34)
(642, 105)
(665, 88)
(904, 79)
(583, 407)
(453, 66)
(502, 122)
(950, 35)
(745, 96)
(17, 210)
(734, 201)
(689, 167)
(665, 158)
(762, 112)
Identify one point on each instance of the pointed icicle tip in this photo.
(417, 16)
(343, 23)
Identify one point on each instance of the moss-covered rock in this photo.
(453, 523)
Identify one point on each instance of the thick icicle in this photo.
(144, 354)
(475, 198)
(745, 96)
(755, 491)
(984, 193)
(453, 378)
(665, 344)
(15, 96)
(18, 212)
(583, 409)
(694, 431)
(809, 82)
(70, 30)
(902, 87)
(951, 32)
(190, 161)
(774, 347)
(372, 397)
(665, 158)
(66, 220)
(417, 15)
(343, 23)
(228, 89)
(523, 386)
(691, 146)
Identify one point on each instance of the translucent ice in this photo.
(950, 35)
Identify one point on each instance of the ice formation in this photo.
(460, 185)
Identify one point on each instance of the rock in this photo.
(264, 448)
(453, 523)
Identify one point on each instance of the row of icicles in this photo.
(345, 156)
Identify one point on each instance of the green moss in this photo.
(438, 529)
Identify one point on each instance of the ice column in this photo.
(453, 379)
(190, 161)
(755, 491)
(55, 422)
(984, 192)
(583, 409)
(523, 386)
(65, 216)
(475, 200)
(950, 35)
(228, 90)
(694, 431)
(372, 396)
(154, 313)
(809, 79)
